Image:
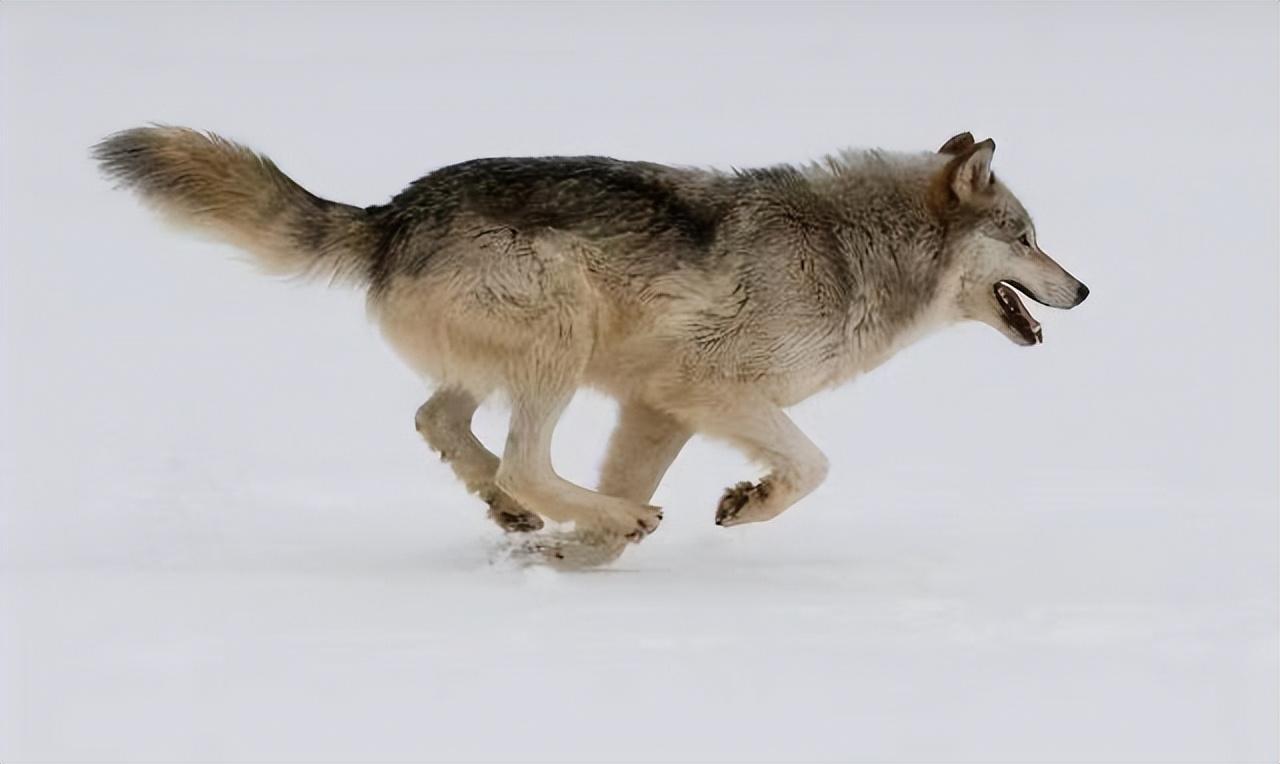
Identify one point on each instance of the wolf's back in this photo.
(202, 181)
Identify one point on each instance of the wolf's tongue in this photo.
(1017, 313)
(1013, 303)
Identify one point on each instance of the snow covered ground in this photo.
(222, 540)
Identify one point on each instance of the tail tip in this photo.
(129, 155)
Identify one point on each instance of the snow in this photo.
(222, 540)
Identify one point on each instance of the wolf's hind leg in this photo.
(526, 473)
(444, 421)
(642, 447)
(767, 435)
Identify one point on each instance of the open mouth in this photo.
(1016, 315)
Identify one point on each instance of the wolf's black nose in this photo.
(1081, 293)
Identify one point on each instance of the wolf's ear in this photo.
(957, 143)
(970, 172)
(965, 177)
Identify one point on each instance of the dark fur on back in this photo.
(649, 206)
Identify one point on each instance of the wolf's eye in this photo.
(1024, 240)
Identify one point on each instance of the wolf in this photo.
(703, 301)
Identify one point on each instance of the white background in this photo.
(222, 539)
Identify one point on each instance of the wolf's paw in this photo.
(510, 516)
(632, 524)
(744, 503)
(646, 522)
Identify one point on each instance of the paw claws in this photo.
(644, 525)
(737, 498)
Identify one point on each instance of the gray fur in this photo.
(704, 301)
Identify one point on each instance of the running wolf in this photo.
(703, 301)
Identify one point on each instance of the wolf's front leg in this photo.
(642, 447)
(767, 435)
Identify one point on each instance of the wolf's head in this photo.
(993, 245)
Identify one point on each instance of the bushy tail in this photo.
(202, 181)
